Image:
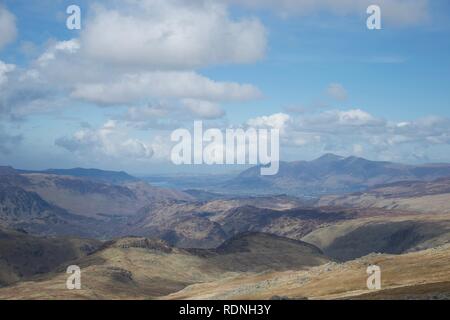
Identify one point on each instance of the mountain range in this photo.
(134, 240)
(332, 174)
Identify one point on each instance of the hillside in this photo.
(24, 256)
(140, 268)
(49, 204)
(22, 209)
(92, 199)
(208, 224)
(419, 275)
(86, 196)
(355, 238)
(251, 266)
(414, 196)
(112, 177)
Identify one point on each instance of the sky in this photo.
(110, 94)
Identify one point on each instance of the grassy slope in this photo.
(423, 274)
(138, 268)
(23, 256)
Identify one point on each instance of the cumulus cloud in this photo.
(172, 34)
(110, 141)
(69, 47)
(109, 85)
(170, 115)
(356, 117)
(339, 121)
(109, 73)
(26, 91)
(147, 112)
(357, 132)
(275, 121)
(396, 12)
(152, 116)
(203, 109)
(152, 48)
(133, 88)
(8, 29)
(4, 70)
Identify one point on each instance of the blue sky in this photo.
(100, 97)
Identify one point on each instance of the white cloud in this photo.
(170, 115)
(203, 109)
(276, 121)
(160, 116)
(69, 47)
(105, 85)
(339, 120)
(355, 117)
(396, 12)
(337, 92)
(169, 84)
(172, 34)
(138, 52)
(110, 141)
(8, 29)
(4, 70)
(146, 112)
(357, 132)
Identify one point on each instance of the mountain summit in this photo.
(328, 157)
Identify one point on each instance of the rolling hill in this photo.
(23, 256)
(208, 224)
(418, 275)
(414, 196)
(355, 238)
(141, 268)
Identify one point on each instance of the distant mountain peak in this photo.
(355, 158)
(329, 157)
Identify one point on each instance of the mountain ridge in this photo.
(142, 268)
(333, 174)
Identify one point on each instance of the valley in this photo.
(133, 240)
